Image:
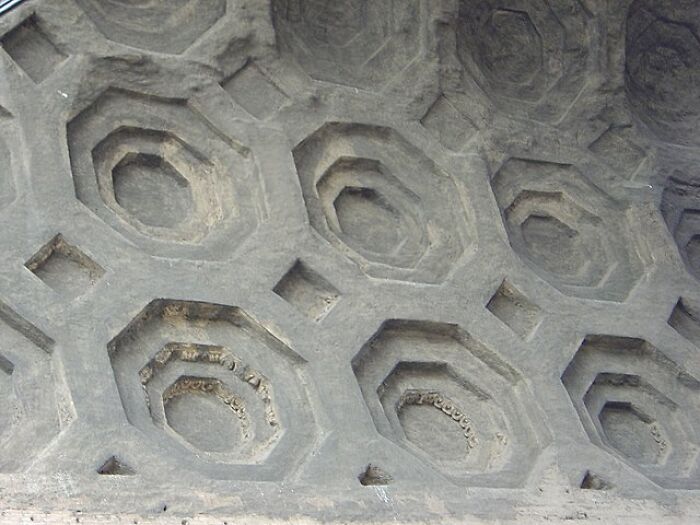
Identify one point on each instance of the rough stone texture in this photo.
(307, 261)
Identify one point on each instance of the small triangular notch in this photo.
(374, 475)
(115, 467)
(592, 481)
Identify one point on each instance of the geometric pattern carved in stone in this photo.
(531, 57)
(369, 198)
(640, 405)
(32, 50)
(166, 27)
(572, 235)
(313, 260)
(357, 42)
(515, 310)
(214, 389)
(680, 206)
(306, 290)
(156, 172)
(35, 407)
(436, 391)
(65, 268)
(662, 71)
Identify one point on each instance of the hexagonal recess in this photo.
(570, 233)
(449, 125)
(35, 404)
(639, 405)
(680, 207)
(356, 42)
(440, 394)
(530, 57)
(308, 291)
(662, 73)
(32, 50)
(156, 172)
(165, 27)
(383, 203)
(515, 310)
(214, 389)
(65, 268)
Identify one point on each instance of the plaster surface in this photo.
(311, 261)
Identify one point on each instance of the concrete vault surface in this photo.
(324, 261)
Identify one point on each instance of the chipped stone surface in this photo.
(311, 261)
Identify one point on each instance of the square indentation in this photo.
(252, 90)
(32, 50)
(452, 128)
(515, 310)
(65, 268)
(686, 321)
(617, 148)
(306, 290)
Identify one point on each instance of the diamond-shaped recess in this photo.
(308, 291)
(638, 404)
(515, 310)
(32, 50)
(214, 390)
(65, 268)
(437, 392)
(617, 147)
(448, 124)
(253, 91)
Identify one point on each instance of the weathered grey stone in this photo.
(317, 261)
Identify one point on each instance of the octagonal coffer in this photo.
(443, 396)
(680, 207)
(529, 56)
(383, 203)
(566, 230)
(165, 27)
(214, 388)
(662, 68)
(639, 405)
(357, 42)
(35, 405)
(156, 172)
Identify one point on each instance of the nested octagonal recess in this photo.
(437, 392)
(215, 389)
(156, 172)
(638, 404)
(356, 42)
(662, 67)
(383, 203)
(530, 56)
(35, 404)
(569, 232)
(166, 27)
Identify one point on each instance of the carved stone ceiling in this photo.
(323, 261)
